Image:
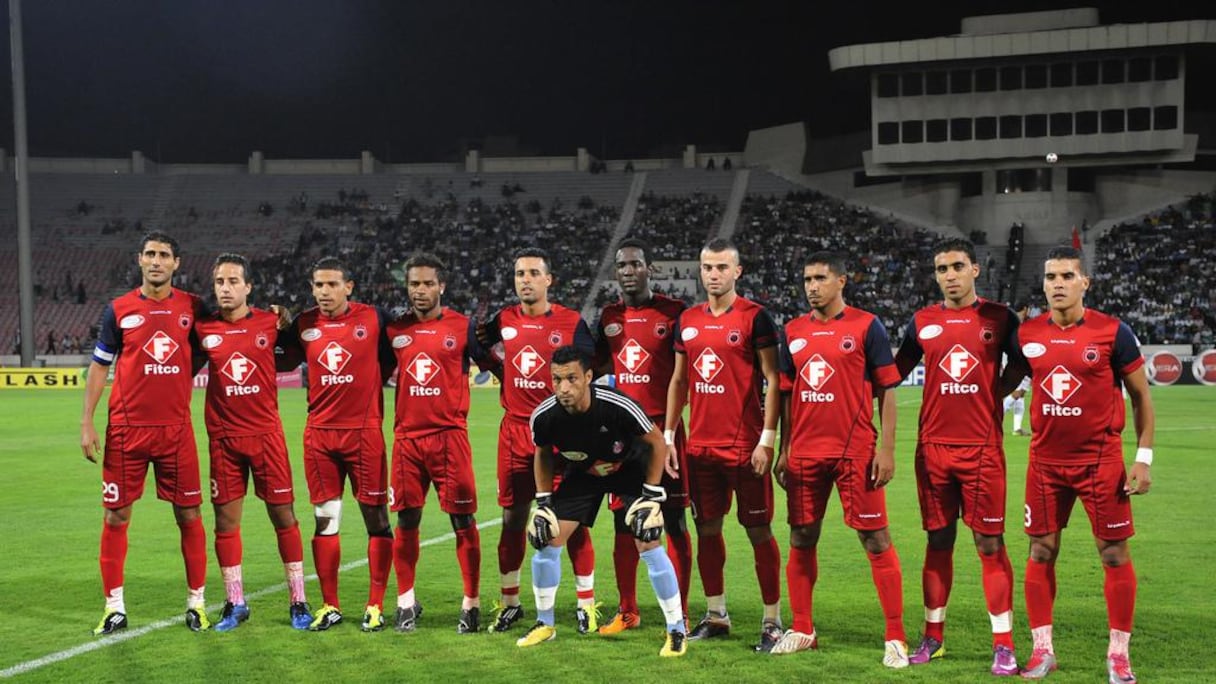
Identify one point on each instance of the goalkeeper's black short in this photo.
(580, 496)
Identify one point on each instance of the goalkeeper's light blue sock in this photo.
(546, 575)
(666, 588)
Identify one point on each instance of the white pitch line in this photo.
(127, 635)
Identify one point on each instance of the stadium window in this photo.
(1036, 125)
(960, 129)
(1080, 180)
(985, 128)
(888, 132)
(971, 185)
(1139, 119)
(1061, 75)
(913, 131)
(1061, 123)
(1087, 73)
(935, 130)
(1011, 78)
(888, 85)
(985, 80)
(913, 84)
(1036, 76)
(1011, 126)
(960, 81)
(1139, 70)
(1087, 122)
(1167, 68)
(1165, 118)
(935, 83)
(1112, 71)
(1112, 120)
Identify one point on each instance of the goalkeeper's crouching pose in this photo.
(600, 442)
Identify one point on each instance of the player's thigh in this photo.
(1106, 503)
(1049, 498)
(516, 480)
(229, 465)
(709, 487)
(124, 465)
(324, 465)
(175, 461)
(270, 465)
(937, 490)
(367, 466)
(410, 479)
(982, 476)
(755, 493)
(451, 466)
(808, 486)
(864, 503)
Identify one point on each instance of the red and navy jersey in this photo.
(830, 370)
(725, 380)
(152, 342)
(528, 342)
(242, 395)
(962, 349)
(640, 343)
(1076, 407)
(349, 360)
(432, 372)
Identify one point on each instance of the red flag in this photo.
(1076, 238)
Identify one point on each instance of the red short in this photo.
(677, 489)
(234, 459)
(808, 485)
(1051, 491)
(516, 456)
(444, 458)
(331, 455)
(955, 481)
(715, 473)
(171, 451)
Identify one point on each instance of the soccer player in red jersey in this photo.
(246, 436)
(726, 350)
(1079, 361)
(837, 362)
(960, 459)
(529, 332)
(148, 332)
(349, 359)
(433, 345)
(634, 341)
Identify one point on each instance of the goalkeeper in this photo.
(603, 443)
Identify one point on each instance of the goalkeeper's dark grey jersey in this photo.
(599, 441)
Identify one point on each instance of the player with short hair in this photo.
(349, 359)
(960, 458)
(726, 350)
(604, 442)
(1079, 361)
(836, 364)
(1017, 398)
(246, 436)
(528, 333)
(635, 341)
(434, 346)
(148, 332)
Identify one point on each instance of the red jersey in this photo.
(528, 343)
(830, 369)
(725, 381)
(1077, 412)
(242, 395)
(152, 343)
(349, 360)
(962, 349)
(432, 372)
(639, 341)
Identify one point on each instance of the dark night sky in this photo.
(211, 80)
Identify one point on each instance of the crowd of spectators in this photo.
(676, 227)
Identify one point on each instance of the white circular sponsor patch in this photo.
(688, 333)
(797, 345)
(574, 455)
(310, 335)
(613, 329)
(132, 321)
(212, 341)
(1033, 350)
(402, 341)
(930, 331)
(509, 333)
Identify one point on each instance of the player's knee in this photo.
(618, 522)
(875, 541)
(943, 539)
(759, 534)
(462, 521)
(988, 545)
(409, 518)
(329, 517)
(187, 514)
(1042, 552)
(1114, 555)
(675, 523)
(117, 516)
(281, 516)
(804, 537)
(708, 527)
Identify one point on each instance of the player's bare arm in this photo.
(783, 455)
(883, 469)
(1140, 480)
(658, 456)
(94, 385)
(762, 454)
(677, 396)
(543, 469)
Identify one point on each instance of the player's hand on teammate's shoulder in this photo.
(284, 315)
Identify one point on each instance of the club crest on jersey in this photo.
(184, 321)
(987, 335)
(360, 332)
(132, 321)
(848, 343)
(160, 347)
(212, 341)
(238, 368)
(734, 337)
(402, 341)
(527, 361)
(333, 358)
(633, 356)
(555, 339)
(661, 329)
(613, 329)
(1091, 355)
(261, 341)
(310, 334)
(449, 342)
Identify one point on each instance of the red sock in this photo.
(468, 553)
(291, 546)
(405, 557)
(194, 552)
(768, 570)
(326, 557)
(888, 579)
(379, 564)
(511, 551)
(711, 559)
(679, 550)
(1040, 587)
(1120, 590)
(625, 562)
(582, 557)
(228, 549)
(113, 556)
(998, 591)
(936, 579)
(801, 573)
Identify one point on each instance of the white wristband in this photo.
(768, 438)
(669, 437)
(1144, 455)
